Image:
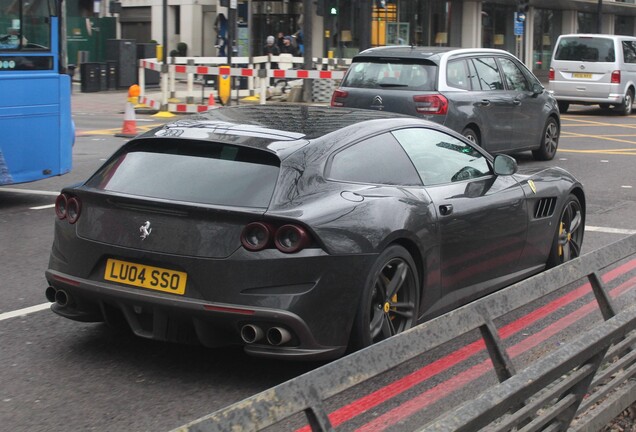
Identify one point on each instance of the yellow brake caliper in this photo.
(569, 237)
(388, 307)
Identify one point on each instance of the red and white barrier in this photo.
(254, 72)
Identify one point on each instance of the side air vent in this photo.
(545, 208)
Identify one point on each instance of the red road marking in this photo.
(460, 380)
(373, 399)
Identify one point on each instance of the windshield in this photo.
(394, 74)
(25, 25)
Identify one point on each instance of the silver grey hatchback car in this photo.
(487, 95)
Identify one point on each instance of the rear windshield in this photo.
(400, 75)
(587, 49)
(191, 171)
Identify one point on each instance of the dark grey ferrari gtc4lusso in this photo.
(301, 231)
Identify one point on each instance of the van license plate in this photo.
(582, 75)
(144, 276)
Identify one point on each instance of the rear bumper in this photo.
(612, 99)
(184, 320)
(587, 92)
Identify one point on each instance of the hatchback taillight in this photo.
(431, 104)
(551, 74)
(289, 238)
(616, 77)
(256, 236)
(68, 207)
(337, 96)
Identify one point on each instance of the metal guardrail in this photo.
(589, 378)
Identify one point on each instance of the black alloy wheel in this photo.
(390, 299)
(549, 141)
(569, 233)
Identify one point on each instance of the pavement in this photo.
(102, 102)
(114, 101)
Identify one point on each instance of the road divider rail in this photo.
(257, 71)
(590, 378)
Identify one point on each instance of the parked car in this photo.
(487, 95)
(590, 69)
(301, 231)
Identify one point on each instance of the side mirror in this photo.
(537, 88)
(505, 165)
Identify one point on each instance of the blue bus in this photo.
(36, 128)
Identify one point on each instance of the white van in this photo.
(594, 69)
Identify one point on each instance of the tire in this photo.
(563, 107)
(382, 314)
(626, 107)
(549, 141)
(471, 135)
(568, 237)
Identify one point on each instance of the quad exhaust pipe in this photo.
(278, 336)
(251, 333)
(60, 297)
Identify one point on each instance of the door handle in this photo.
(445, 209)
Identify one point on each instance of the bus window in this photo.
(36, 33)
(29, 31)
(9, 25)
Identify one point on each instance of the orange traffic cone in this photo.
(129, 129)
(211, 102)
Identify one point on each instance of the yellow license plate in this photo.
(582, 75)
(143, 276)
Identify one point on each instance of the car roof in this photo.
(596, 35)
(288, 126)
(431, 53)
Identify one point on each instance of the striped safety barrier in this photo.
(192, 69)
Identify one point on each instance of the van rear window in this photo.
(587, 49)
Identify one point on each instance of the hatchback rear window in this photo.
(585, 49)
(391, 74)
(191, 171)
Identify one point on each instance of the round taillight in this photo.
(291, 238)
(256, 236)
(61, 204)
(73, 209)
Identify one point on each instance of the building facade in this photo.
(342, 28)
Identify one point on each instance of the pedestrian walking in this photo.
(271, 49)
(288, 47)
